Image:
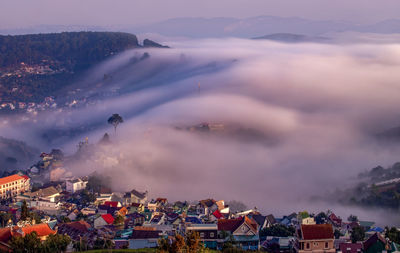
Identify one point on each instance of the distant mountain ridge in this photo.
(292, 38)
(229, 27)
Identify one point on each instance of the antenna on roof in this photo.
(198, 87)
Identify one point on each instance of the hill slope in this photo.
(33, 67)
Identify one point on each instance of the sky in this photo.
(23, 13)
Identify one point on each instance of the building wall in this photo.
(316, 246)
(13, 188)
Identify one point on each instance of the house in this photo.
(135, 197)
(206, 207)
(75, 230)
(270, 220)
(308, 221)
(261, 220)
(222, 208)
(136, 207)
(75, 185)
(134, 219)
(103, 220)
(244, 231)
(42, 230)
(315, 238)
(5, 237)
(161, 201)
(208, 234)
(376, 244)
(13, 185)
(141, 239)
(348, 247)
(336, 221)
(49, 193)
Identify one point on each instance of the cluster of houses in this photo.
(131, 220)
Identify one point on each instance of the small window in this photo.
(307, 245)
(202, 235)
(212, 234)
(326, 245)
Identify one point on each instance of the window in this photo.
(202, 235)
(307, 245)
(326, 245)
(211, 234)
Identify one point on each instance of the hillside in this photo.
(16, 154)
(33, 67)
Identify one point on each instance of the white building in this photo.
(13, 185)
(75, 185)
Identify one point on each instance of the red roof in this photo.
(111, 203)
(25, 176)
(217, 214)
(40, 229)
(5, 234)
(108, 218)
(316, 232)
(81, 225)
(229, 224)
(9, 179)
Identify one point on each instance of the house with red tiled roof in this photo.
(13, 185)
(315, 238)
(243, 229)
(5, 237)
(103, 220)
(42, 230)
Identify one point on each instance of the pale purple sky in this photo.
(22, 13)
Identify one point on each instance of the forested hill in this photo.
(33, 68)
(77, 50)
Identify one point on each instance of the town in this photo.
(48, 209)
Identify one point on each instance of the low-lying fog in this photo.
(298, 120)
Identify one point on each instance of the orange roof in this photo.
(40, 229)
(9, 179)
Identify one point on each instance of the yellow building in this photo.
(13, 185)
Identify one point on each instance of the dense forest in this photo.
(33, 67)
(76, 49)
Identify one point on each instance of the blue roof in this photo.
(194, 220)
(376, 229)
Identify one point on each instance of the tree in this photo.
(119, 220)
(393, 234)
(115, 120)
(357, 234)
(193, 243)
(30, 243)
(321, 218)
(352, 218)
(278, 230)
(57, 243)
(337, 234)
(179, 244)
(24, 211)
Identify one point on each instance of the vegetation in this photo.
(189, 244)
(393, 234)
(31, 243)
(63, 55)
(357, 234)
(115, 120)
(96, 182)
(278, 230)
(78, 50)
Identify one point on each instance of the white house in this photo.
(75, 185)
